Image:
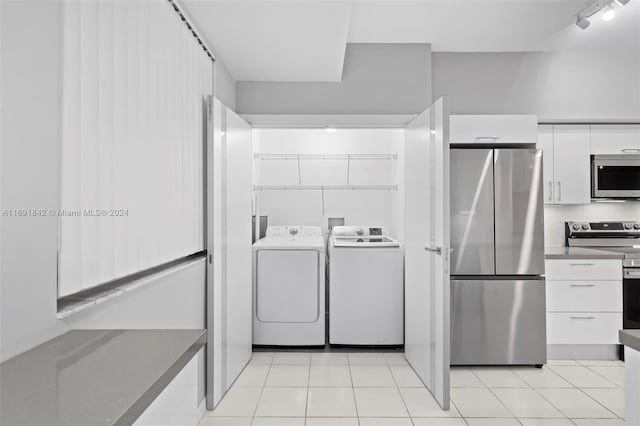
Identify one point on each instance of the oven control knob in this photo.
(636, 226)
(576, 226)
(585, 226)
(628, 226)
(360, 231)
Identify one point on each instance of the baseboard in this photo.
(586, 352)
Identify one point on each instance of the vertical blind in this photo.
(135, 83)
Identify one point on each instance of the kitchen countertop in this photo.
(579, 253)
(630, 338)
(93, 377)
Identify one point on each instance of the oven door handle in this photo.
(632, 273)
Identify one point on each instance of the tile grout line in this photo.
(404, 403)
(264, 384)
(353, 390)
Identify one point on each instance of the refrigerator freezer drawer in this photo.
(498, 322)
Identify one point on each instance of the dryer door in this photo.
(287, 287)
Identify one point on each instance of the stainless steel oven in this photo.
(615, 176)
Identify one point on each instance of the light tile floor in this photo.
(380, 389)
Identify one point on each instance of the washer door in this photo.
(287, 286)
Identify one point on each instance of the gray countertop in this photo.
(630, 338)
(579, 253)
(93, 377)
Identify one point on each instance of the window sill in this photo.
(72, 305)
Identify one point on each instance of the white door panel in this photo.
(427, 249)
(545, 143)
(571, 164)
(229, 288)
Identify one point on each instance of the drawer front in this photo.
(583, 269)
(580, 328)
(584, 296)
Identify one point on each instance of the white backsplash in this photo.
(556, 216)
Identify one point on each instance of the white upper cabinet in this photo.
(545, 143)
(615, 139)
(566, 151)
(493, 129)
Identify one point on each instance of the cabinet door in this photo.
(493, 129)
(615, 139)
(545, 143)
(571, 164)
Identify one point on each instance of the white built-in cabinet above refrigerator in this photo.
(494, 129)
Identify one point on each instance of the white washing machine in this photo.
(366, 287)
(289, 287)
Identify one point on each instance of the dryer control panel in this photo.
(294, 231)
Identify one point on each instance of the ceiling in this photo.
(305, 40)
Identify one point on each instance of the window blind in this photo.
(135, 83)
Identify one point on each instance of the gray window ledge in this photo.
(73, 304)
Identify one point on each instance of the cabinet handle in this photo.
(630, 150)
(582, 264)
(550, 191)
(492, 138)
(583, 318)
(582, 285)
(559, 191)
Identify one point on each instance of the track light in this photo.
(583, 23)
(595, 6)
(609, 13)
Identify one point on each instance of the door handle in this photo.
(583, 318)
(582, 264)
(436, 250)
(582, 285)
(550, 191)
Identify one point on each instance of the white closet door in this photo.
(427, 245)
(229, 279)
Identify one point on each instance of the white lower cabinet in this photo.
(587, 296)
(584, 301)
(583, 328)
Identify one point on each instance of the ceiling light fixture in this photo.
(330, 129)
(595, 6)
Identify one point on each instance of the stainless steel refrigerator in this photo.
(497, 259)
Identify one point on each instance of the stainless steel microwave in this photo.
(615, 176)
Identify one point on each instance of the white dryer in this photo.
(289, 287)
(366, 287)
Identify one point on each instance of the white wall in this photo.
(30, 135)
(304, 207)
(224, 86)
(556, 216)
(377, 79)
(554, 85)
